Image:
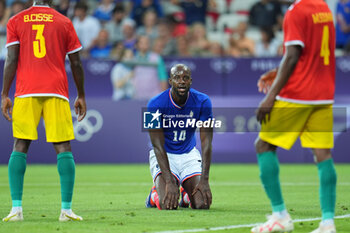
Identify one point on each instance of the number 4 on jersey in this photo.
(39, 47)
(325, 53)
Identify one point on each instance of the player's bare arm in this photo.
(9, 75)
(286, 68)
(206, 136)
(171, 197)
(78, 74)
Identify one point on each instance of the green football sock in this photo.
(16, 169)
(328, 181)
(269, 175)
(66, 170)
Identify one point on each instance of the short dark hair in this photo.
(17, 2)
(82, 6)
(119, 8)
(269, 32)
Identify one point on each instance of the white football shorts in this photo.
(182, 166)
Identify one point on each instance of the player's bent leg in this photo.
(328, 180)
(197, 200)
(16, 169)
(160, 188)
(66, 170)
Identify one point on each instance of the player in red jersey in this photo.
(299, 104)
(38, 40)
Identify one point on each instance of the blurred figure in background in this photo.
(158, 46)
(4, 16)
(128, 28)
(86, 26)
(165, 35)
(268, 46)
(117, 51)
(150, 77)
(101, 48)
(121, 76)
(182, 46)
(239, 44)
(16, 7)
(171, 7)
(266, 13)
(63, 7)
(199, 45)
(104, 10)
(195, 10)
(342, 28)
(216, 49)
(114, 26)
(142, 6)
(149, 27)
(233, 49)
(178, 25)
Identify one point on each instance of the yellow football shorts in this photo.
(288, 121)
(55, 112)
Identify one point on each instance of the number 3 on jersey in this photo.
(39, 47)
(182, 136)
(325, 53)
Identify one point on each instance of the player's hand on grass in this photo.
(80, 107)
(265, 81)
(171, 198)
(204, 188)
(6, 107)
(264, 110)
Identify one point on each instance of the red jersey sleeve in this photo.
(12, 37)
(73, 44)
(294, 26)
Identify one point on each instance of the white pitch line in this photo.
(150, 183)
(243, 226)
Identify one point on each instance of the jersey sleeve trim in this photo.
(43, 94)
(295, 42)
(75, 50)
(11, 43)
(314, 102)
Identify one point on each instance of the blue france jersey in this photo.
(178, 122)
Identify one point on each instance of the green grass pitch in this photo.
(111, 199)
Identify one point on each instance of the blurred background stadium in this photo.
(129, 46)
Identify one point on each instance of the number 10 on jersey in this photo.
(39, 47)
(182, 136)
